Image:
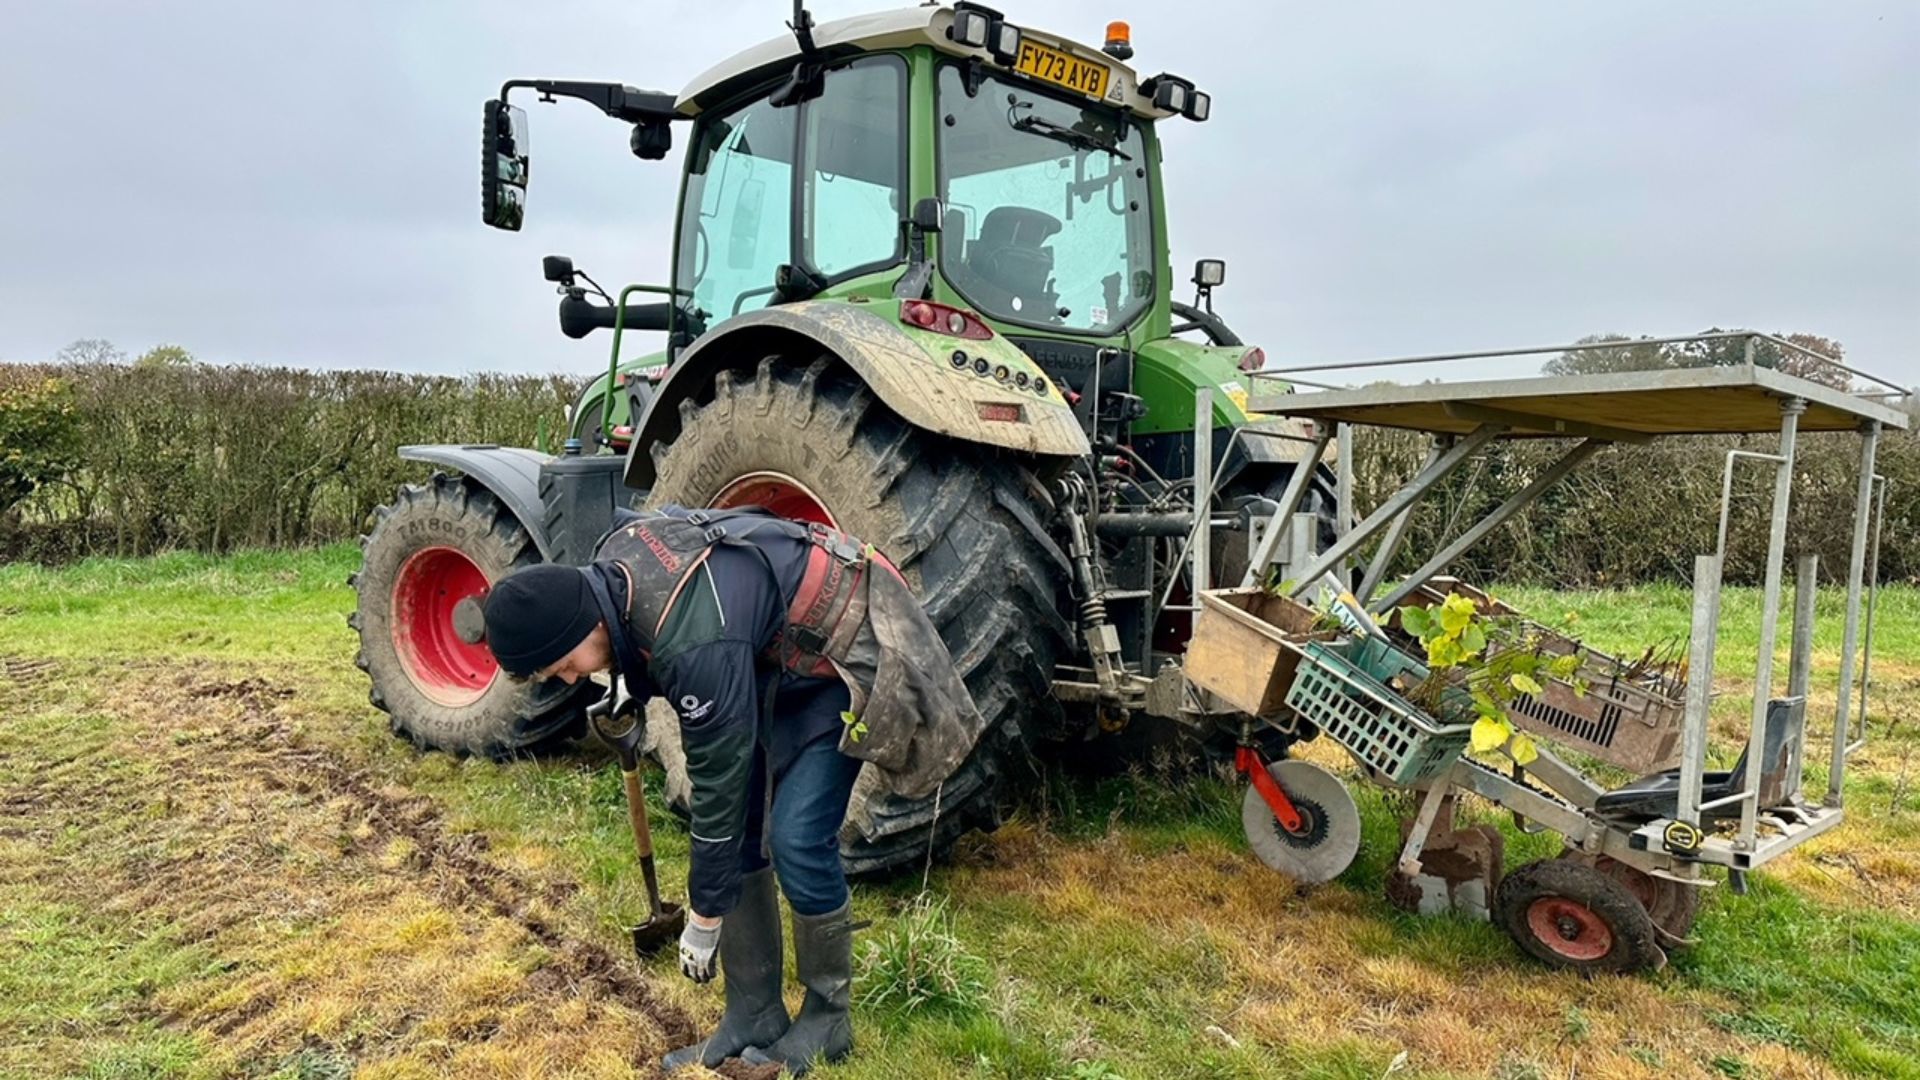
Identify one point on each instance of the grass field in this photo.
(214, 861)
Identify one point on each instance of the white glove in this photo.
(698, 947)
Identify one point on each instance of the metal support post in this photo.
(1343, 493)
(1289, 502)
(1790, 411)
(1850, 632)
(1411, 492)
(1873, 592)
(1396, 532)
(1518, 501)
(1693, 732)
(1202, 491)
(1430, 806)
(1806, 581)
(1303, 539)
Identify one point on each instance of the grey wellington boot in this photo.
(750, 963)
(823, 955)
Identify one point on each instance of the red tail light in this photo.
(1254, 359)
(942, 319)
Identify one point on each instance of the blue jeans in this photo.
(811, 785)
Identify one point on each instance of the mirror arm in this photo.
(802, 27)
(927, 217)
(618, 101)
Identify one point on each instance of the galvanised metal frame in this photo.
(1566, 805)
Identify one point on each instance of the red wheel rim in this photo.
(779, 493)
(447, 670)
(1569, 929)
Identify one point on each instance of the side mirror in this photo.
(557, 269)
(928, 215)
(503, 166)
(1208, 273)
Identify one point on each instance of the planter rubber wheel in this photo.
(1329, 834)
(1571, 915)
(1672, 905)
(440, 543)
(963, 524)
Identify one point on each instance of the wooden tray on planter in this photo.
(1238, 651)
(1620, 721)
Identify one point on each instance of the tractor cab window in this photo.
(736, 230)
(738, 219)
(1048, 222)
(856, 169)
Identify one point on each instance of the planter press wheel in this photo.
(1672, 905)
(1329, 834)
(1571, 915)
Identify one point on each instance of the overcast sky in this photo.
(297, 184)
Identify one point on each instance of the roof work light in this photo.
(1175, 94)
(981, 27)
(1006, 43)
(971, 24)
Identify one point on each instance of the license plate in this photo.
(1060, 69)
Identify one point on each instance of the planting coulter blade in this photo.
(1328, 836)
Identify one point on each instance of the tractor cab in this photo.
(931, 153)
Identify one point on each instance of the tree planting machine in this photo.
(1616, 749)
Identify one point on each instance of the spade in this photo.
(619, 727)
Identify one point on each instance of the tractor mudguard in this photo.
(1167, 372)
(511, 473)
(912, 372)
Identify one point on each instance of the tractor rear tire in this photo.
(438, 543)
(963, 524)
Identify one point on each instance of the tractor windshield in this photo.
(1048, 222)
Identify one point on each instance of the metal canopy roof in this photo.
(1626, 406)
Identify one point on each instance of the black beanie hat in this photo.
(537, 615)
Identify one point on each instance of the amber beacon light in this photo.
(1119, 40)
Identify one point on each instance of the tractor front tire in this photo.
(437, 544)
(963, 524)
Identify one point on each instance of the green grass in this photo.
(1846, 983)
(72, 987)
(1117, 929)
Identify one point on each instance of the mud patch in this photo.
(454, 863)
(26, 671)
(344, 912)
(255, 692)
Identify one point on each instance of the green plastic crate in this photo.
(1381, 659)
(1337, 690)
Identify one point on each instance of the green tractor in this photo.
(922, 292)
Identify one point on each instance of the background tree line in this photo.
(100, 454)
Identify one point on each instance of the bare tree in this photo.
(90, 351)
